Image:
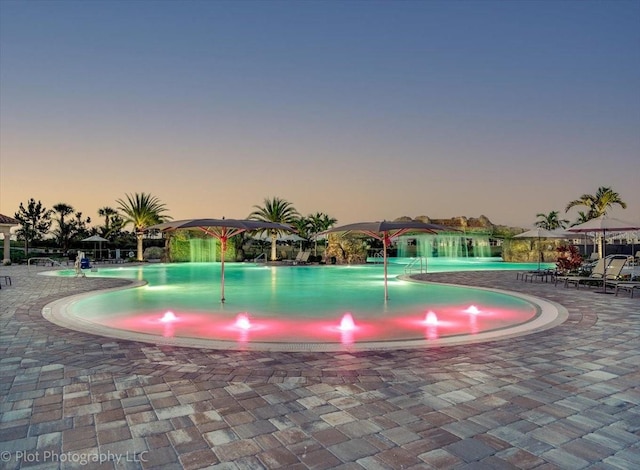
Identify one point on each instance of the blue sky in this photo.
(362, 110)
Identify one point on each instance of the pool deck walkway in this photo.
(566, 398)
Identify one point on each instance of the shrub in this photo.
(153, 252)
(569, 258)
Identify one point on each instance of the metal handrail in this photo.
(378, 257)
(41, 258)
(261, 255)
(408, 269)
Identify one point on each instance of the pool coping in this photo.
(550, 314)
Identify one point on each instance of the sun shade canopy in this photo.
(387, 231)
(221, 229)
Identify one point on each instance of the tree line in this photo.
(67, 227)
(142, 210)
(597, 205)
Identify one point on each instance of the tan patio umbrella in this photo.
(96, 239)
(221, 229)
(386, 231)
(541, 233)
(604, 224)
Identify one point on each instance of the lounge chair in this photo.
(304, 259)
(596, 273)
(611, 272)
(542, 274)
(301, 258)
(629, 286)
(296, 260)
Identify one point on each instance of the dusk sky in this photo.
(363, 110)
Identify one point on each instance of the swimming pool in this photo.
(298, 307)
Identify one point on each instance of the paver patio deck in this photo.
(564, 398)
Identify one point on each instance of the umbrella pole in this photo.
(539, 253)
(223, 248)
(384, 252)
(604, 255)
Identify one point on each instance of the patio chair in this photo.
(304, 259)
(626, 286)
(596, 273)
(297, 258)
(613, 268)
(541, 274)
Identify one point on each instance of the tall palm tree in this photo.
(110, 216)
(319, 222)
(142, 210)
(275, 210)
(582, 218)
(599, 203)
(65, 228)
(550, 221)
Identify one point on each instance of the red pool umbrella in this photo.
(221, 229)
(387, 231)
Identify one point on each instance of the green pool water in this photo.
(299, 303)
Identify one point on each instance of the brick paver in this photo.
(563, 398)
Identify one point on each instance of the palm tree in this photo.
(582, 218)
(64, 231)
(142, 210)
(319, 222)
(599, 203)
(111, 217)
(275, 210)
(302, 227)
(550, 221)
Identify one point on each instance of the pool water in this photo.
(299, 304)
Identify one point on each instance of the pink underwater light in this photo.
(168, 317)
(242, 321)
(431, 319)
(347, 323)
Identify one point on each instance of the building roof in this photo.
(6, 220)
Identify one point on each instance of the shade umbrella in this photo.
(221, 229)
(386, 231)
(96, 239)
(604, 224)
(541, 233)
(289, 237)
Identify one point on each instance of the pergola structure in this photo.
(6, 223)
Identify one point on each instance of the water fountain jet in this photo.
(242, 321)
(347, 323)
(431, 318)
(168, 317)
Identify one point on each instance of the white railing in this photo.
(419, 264)
(261, 258)
(46, 261)
(378, 257)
